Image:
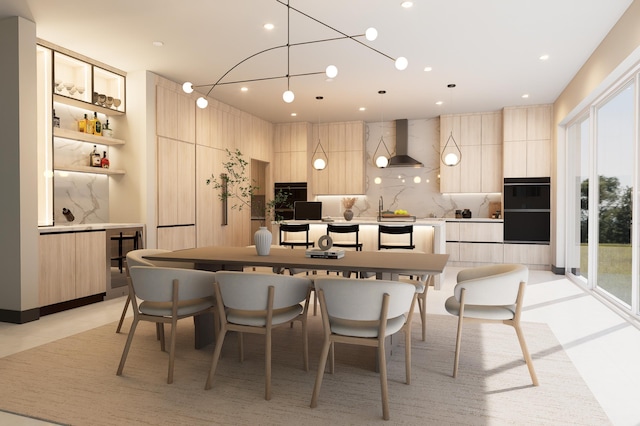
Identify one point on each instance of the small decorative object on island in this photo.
(348, 205)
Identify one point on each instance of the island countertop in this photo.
(87, 227)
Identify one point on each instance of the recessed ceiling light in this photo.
(427, 69)
(244, 89)
(439, 103)
(525, 96)
(293, 114)
(158, 43)
(406, 4)
(362, 109)
(544, 57)
(269, 26)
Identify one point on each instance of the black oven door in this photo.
(521, 226)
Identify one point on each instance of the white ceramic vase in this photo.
(262, 239)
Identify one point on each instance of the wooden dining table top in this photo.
(380, 262)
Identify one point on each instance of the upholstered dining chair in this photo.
(249, 302)
(136, 258)
(421, 285)
(492, 293)
(364, 312)
(167, 295)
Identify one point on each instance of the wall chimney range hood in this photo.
(402, 159)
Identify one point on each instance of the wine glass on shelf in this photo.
(117, 102)
(69, 86)
(109, 101)
(80, 89)
(59, 87)
(102, 99)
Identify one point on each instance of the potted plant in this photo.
(234, 184)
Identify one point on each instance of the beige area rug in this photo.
(73, 381)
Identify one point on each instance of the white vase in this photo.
(262, 240)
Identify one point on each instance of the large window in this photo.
(602, 175)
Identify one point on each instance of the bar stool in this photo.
(395, 230)
(290, 228)
(121, 238)
(346, 229)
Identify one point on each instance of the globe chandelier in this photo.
(288, 96)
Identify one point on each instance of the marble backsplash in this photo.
(86, 195)
(416, 190)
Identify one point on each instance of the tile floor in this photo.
(603, 345)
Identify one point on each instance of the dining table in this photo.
(385, 264)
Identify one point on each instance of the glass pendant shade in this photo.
(319, 164)
(202, 102)
(371, 34)
(288, 96)
(402, 63)
(187, 87)
(331, 71)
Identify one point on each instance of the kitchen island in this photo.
(429, 235)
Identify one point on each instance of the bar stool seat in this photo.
(345, 229)
(285, 229)
(395, 230)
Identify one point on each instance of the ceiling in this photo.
(489, 48)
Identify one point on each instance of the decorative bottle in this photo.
(56, 119)
(106, 130)
(83, 125)
(97, 130)
(104, 162)
(94, 158)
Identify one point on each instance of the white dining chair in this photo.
(364, 312)
(249, 302)
(492, 293)
(167, 295)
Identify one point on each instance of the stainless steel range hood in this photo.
(402, 159)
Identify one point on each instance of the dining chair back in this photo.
(251, 302)
(364, 312)
(167, 295)
(492, 293)
(395, 230)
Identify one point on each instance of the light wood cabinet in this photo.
(530, 254)
(479, 137)
(176, 182)
(72, 265)
(474, 242)
(290, 152)
(345, 171)
(527, 141)
(177, 237)
(175, 115)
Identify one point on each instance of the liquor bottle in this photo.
(97, 130)
(106, 130)
(83, 125)
(91, 126)
(104, 162)
(56, 119)
(94, 158)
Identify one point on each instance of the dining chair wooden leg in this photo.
(216, 356)
(267, 365)
(332, 364)
(160, 334)
(382, 366)
(124, 313)
(127, 346)
(525, 353)
(407, 354)
(172, 349)
(240, 347)
(458, 335)
(320, 374)
(305, 343)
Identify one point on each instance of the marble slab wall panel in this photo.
(86, 195)
(416, 190)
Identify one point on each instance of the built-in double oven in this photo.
(527, 210)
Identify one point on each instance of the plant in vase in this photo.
(348, 203)
(233, 183)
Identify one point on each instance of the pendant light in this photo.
(451, 154)
(319, 160)
(381, 160)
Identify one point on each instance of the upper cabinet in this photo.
(527, 141)
(345, 171)
(290, 144)
(479, 137)
(175, 115)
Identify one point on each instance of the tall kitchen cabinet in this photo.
(479, 137)
(290, 159)
(176, 156)
(527, 141)
(345, 171)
